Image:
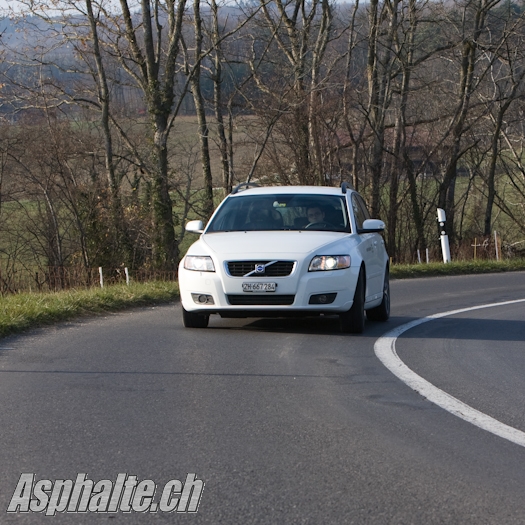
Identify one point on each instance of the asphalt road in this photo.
(285, 421)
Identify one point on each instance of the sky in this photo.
(4, 4)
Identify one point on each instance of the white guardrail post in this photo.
(445, 246)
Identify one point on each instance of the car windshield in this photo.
(281, 212)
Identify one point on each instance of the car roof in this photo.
(306, 190)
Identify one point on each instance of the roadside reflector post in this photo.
(445, 246)
(101, 277)
(127, 275)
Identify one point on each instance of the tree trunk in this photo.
(201, 114)
(120, 232)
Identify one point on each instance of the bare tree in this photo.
(194, 76)
(296, 35)
(472, 29)
(507, 76)
(120, 232)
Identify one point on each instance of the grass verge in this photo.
(28, 310)
(405, 271)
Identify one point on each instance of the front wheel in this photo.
(382, 312)
(193, 320)
(353, 321)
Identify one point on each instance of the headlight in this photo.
(199, 263)
(329, 262)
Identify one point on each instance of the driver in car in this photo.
(315, 215)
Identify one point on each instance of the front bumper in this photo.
(293, 295)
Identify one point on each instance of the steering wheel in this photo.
(323, 225)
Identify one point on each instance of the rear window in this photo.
(281, 212)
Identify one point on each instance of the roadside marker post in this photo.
(475, 245)
(445, 246)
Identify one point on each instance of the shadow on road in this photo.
(444, 328)
(469, 329)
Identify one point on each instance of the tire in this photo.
(382, 312)
(353, 321)
(192, 320)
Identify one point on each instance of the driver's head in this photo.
(315, 214)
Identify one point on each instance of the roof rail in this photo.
(345, 186)
(244, 185)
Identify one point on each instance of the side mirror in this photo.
(195, 227)
(372, 226)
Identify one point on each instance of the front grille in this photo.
(261, 300)
(276, 269)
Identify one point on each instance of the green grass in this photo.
(27, 310)
(405, 271)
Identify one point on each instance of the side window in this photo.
(359, 209)
(363, 206)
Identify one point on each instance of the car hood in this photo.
(288, 243)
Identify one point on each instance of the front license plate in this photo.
(259, 287)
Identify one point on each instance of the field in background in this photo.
(23, 265)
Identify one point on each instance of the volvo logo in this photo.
(259, 268)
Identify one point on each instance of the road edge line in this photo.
(385, 350)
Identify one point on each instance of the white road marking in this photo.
(385, 350)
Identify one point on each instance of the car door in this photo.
(372, 250)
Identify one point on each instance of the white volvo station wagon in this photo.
(287, 251)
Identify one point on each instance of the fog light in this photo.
(200, 298)
(322, 298)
